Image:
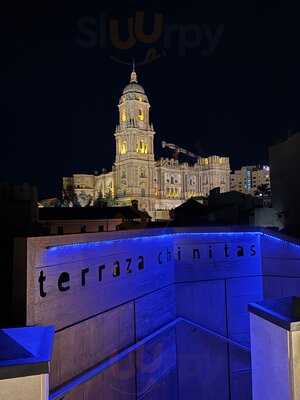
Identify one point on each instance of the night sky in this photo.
(226, 87)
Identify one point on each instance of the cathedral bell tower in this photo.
(134, 164)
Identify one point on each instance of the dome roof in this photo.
(133, 87)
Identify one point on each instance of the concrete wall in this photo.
(295, 367)
(214, 290)
(285, 170)
(25, 388)
(202, 365)
(207, 278)
(99, 312)
(275, 373)
(269, 365)
(115, 383)
(281, 267)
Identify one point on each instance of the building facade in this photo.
(285, 171)
(157, 185)
(249, 178)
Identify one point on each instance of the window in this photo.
(100, 228)
(142, 147)
(143, 193)
(192, 180)
(83, 229)
(143, 173)
(123, 147)
(172, 180)
(141, 115)
(60, 230)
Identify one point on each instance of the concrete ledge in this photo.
(283, 312)
(25, 351)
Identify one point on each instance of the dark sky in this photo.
(223, 84)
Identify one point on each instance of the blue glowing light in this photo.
(170, 236)
(27, 345)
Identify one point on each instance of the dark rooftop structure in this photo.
(66, 220)
(91, 213)
(192, 212)
(285, 170)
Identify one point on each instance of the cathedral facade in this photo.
(157, 184)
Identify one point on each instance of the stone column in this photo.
(275, 349)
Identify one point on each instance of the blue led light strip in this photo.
(159, 237)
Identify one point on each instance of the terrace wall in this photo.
(150, 278)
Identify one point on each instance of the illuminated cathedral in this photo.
(157, 185)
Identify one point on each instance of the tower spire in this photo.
(133, 76)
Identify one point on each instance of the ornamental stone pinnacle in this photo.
(133, 76)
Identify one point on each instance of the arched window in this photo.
(141, 115)
(139, 146)
(142, 147)
(123, 148)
